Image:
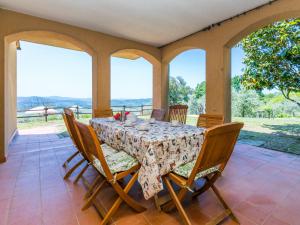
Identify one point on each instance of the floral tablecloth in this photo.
(159, 150)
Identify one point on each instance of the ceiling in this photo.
(154, 22)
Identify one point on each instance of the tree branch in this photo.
(287, 96)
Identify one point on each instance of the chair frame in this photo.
(211, 149)
(209, 120)
(69, 119)
(113, 179)
(178, 112)
(65, 164)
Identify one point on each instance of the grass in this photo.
(281, 134)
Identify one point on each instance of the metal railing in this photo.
(47, 111)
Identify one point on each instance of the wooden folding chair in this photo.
(178, 112)
(103, 113)
(215, 152)
(158, 114)
(209, 120)
(69, 120)
(114, 166)
(65, 164)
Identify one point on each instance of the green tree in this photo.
(196, 105)
(200, 90)
(272, 58)
(245, 103)
(236, 83)
(179, 91)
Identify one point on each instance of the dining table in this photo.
(158, 146)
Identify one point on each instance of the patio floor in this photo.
(262, 187)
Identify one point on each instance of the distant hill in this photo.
(24, 103)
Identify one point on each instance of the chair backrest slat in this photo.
(103, 113)
(217, 147)
(92, 146)
(209, 120)
(178, 112)
(158, 114)
(70, 118)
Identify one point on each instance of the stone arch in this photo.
(166, 67)
(237, 37)
(156, 70)
(177, 51)
(131, 53)
(51, 38)
(260, 24)
(41, 37)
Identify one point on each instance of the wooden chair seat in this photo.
(117, 161)
(186, 170)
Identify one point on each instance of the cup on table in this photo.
(131, 117)
(152, 120)
(128, 122)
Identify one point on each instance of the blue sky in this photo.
(50, 71)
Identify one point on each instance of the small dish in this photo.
(142, 128)
(128, 124)
(152, 121)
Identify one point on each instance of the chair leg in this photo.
(177, 202)
(68, 174)
(91, 187)
(169, 205)
(118, 202)
(93, 196)
(156, 200)
(70, 159)
(125, 197)
(228, 211)
(207, 185)
(81, 173)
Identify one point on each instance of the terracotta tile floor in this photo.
(262, 186)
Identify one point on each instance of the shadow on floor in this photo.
(276, 141)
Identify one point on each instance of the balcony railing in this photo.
(45, 112)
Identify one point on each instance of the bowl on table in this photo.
(143, 127)
(152, 120)
(110, 119)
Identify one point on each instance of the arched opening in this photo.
(263, 74)
(133, 77)
(187, 82)
(14, 59)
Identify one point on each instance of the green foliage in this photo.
(200, 90)
(245, 103)
(272, 58)
(236, 83)
(179, 91)
(196, 105)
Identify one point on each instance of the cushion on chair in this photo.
(117, 161)
(185, 170)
